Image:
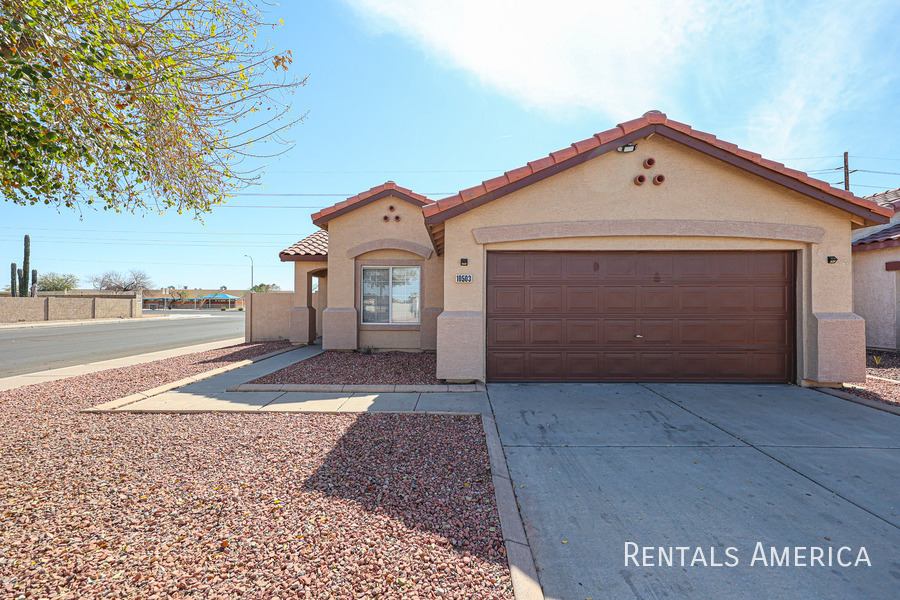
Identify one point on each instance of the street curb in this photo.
(522, 571)
(889, 408)
(374, 389)
(61, 322)
(116, 404)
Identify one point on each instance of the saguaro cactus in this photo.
(24, 287)
(13, 280)
(33, 291)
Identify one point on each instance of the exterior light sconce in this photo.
(627, 148)
(464, 262)
(832, 260)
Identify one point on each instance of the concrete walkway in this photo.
(212, 395)
(708, 467)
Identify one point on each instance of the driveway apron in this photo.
(706, 468)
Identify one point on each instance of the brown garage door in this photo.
(640, 316)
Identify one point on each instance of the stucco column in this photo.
(460, 341)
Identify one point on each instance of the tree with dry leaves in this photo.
(114, 281)
(136, 105)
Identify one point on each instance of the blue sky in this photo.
(438, 96)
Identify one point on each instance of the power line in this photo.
(178, 264)
(106, 231)
(386, 172)
(879, 172)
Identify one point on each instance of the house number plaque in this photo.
(467, 278)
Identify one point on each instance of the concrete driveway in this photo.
(707, 468)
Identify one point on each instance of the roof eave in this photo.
(303, 257)
(320, 219)
(876, 214)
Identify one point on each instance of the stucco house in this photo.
(647, 252)
(876, 263)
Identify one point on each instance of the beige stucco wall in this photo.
(14, 310)
(268, 316)
(875, 296)
(67, 308)
(360, 230)
(697, 188)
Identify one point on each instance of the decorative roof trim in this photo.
(384, 190)
(646, 227)
(390, 244)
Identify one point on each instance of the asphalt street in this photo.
(31, 349)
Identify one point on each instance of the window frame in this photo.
(390, 322)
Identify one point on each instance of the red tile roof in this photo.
(388, 188)
(651, 122)
(888, 198)
(312, 247)
(887, 234)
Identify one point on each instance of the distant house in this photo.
(876, 285)
(195, 299)
(647, 252)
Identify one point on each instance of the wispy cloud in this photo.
(770, 75)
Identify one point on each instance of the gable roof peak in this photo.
(652, 121)
(388, 188)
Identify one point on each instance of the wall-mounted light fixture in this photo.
(832, 260)
(464, 262)
(627, 148)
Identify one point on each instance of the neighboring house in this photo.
(648, 252)
(876, 263)
(195, 299)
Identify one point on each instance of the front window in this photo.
(390, 295)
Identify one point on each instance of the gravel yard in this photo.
(888, 367)
(228, 505)
(384, 368)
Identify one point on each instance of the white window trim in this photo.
(390, 269)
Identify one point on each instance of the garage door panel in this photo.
(582, 299)
(733, 332)
(545, 266)
(657, 267)
(730, 265)
(506, 299)
(770, 266)
(694, 299)
(733, 299)
(620, 366)
(693, 366)
(506, 332)
(546, 365)
(770, 298)
(657, 366)
(701, 316)
(545, 299)
(508, 366)
(657, 331)
(619, 299)
(582, 366)
(506, 266)
(658, 299)
(582, 267)
(619, 331)
(696, 266)
(618, 266)
(770, 332)
(695, 332)
(546, 331)
(582, 332)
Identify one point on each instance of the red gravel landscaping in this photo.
(383, 368)
(235, 505)
(888, 367)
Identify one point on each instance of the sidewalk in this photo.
(9, 383)
(212, 395)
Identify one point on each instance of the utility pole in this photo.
(847, 171)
